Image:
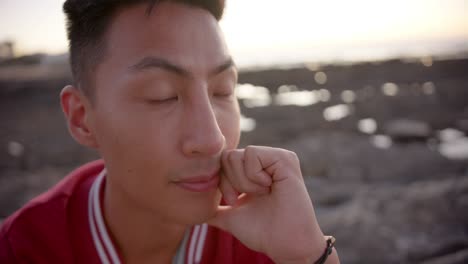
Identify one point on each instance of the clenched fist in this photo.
(269, 209)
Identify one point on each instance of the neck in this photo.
(139, 236)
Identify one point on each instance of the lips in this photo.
(203, 183)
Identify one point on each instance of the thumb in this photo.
(228, 217)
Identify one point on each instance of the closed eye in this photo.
(163, 101)
(224, 91)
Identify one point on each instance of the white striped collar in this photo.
(191, 250)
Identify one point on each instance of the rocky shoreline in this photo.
(383, 148)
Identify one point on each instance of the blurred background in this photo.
(372, 96)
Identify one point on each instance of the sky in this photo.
(277, 31)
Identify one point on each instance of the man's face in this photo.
(165, 109)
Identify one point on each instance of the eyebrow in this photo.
(150, 62)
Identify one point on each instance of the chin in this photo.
(198, 211)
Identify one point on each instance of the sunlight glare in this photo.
(299, 98)
(320, 78)
(390, 89)
(253, 96)
(336, 112)
(367, 125)
(348, 96)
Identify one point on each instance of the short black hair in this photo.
(87, 23)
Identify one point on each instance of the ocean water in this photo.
(281, 56)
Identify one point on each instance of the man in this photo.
(154, 95)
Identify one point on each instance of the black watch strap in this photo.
(330, 244)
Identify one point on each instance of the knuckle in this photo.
(291, 156)
(224, 157)
(249, 150)
(232, 156)
(250, 147)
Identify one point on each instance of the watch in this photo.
(330, 244)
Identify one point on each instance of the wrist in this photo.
(327, 252)
(321, 255)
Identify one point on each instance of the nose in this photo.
(202, 136)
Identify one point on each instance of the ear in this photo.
(77, 110)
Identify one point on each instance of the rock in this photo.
(18, 186)
(345, 157)
(456, 149)
(387, 198)
(406, 130)
(450, 134)
(424, 222)
(462, 124)
(460, 257)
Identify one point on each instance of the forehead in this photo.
(185, 35)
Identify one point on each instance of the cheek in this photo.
(229, 123)
(130, 135)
